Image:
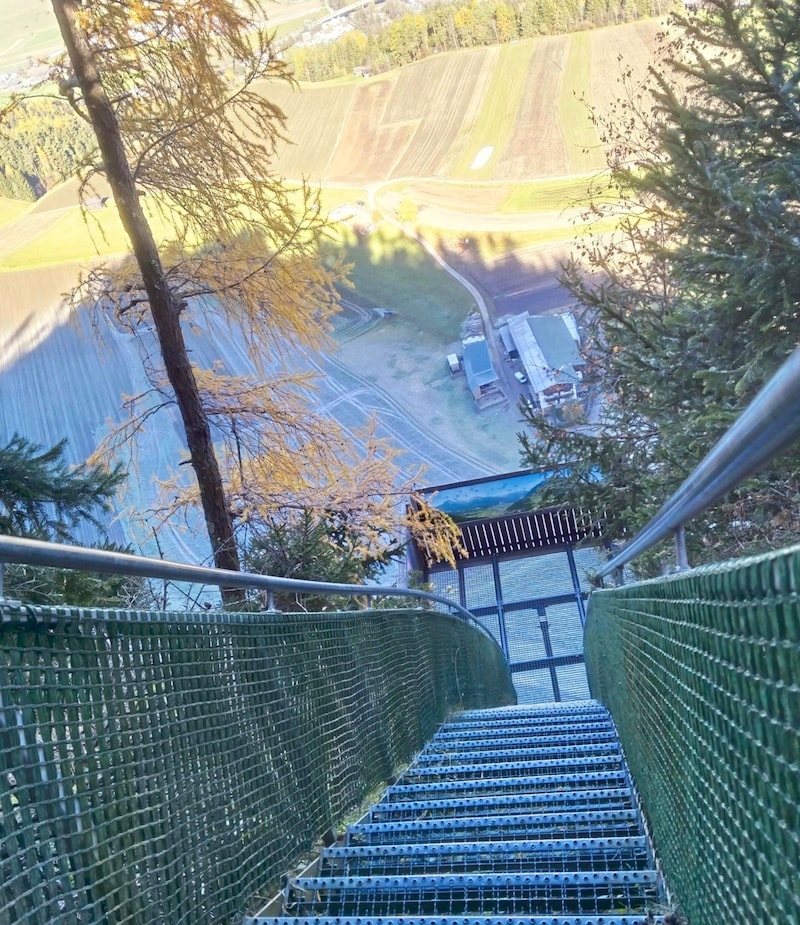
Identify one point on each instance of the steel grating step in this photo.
(519, 816)
(461, 920)
(505, 769)
(497, 786)
(533, 710)
(524, 722)
(526, 734)
(565, 739)
(509, 827)
(495, 857)
(588, 798)
(561, 747)
(562, 893)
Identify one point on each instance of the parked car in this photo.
(520, 376)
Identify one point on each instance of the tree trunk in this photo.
(164, 306)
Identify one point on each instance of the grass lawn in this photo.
(77, 236)
(493, 244)
(331, 197)
(12, 209)
(392, 271)
(29, 30)
(550, 195)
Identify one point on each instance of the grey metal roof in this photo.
(549, 361)
(557, 344)
(477, 363)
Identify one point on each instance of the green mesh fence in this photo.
(167, 768)
(701, 672)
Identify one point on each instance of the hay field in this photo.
(365, 152)
(519, 105)
(29, 30)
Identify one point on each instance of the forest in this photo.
(379, 46)
(42, 143)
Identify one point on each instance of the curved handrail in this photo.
(60, 555)
(769, 424)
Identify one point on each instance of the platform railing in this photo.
(17, 550)
(170, 767)
(699, 670)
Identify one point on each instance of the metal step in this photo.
(496, 770)
(585, 798)
(562, 747)
(570, 779)
(535, 710)
(584, 854)
(461, 920)
(519, 816)
(510, 827)
(502, 734)
(564, 739)
(561, 893)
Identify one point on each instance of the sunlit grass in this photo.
(583, 144)
(498, 115)
(13, 209)
(492, 244)
(79, 236)
(553, 195)
(331, 197)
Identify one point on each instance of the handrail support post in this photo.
(681, 555)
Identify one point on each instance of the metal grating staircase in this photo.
(523, 813)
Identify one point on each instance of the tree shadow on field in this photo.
(513, 278)
(392, 271)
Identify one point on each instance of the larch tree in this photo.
(694, 301)
(177, 94)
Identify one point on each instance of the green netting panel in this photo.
(701, 672)
(165, 768)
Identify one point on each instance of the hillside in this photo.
(503, 113)
(463, 132)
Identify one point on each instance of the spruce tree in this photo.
(695, 301)
(43, 497)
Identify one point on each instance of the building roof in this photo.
(547, 348)
(477, 363)
(507, 339)
(555, 340)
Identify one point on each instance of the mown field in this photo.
(521, 107)
(28, 30)
(525, 106)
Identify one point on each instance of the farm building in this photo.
(508, 343)
(481, 377)
(548, 349)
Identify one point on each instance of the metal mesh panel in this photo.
(587, 562)
(478, 586)
(538, 576)
(163, 768)
(700, 672)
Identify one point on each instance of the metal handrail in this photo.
(769, 424)
(59, 555)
